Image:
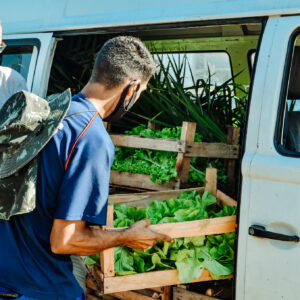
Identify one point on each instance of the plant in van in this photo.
(168, 101)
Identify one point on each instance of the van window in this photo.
(288, 137)
(215, 65)
(18, 58)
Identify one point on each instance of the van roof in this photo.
(27, 16)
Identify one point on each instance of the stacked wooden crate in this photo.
(185, 148)
(157, 284)
(108, 283)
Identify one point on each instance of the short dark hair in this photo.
(121, 58)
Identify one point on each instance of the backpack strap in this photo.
(81, 134)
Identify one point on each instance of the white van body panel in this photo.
(41, 60)
(268, 269)
(27, 16)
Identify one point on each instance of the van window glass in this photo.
(289, 135)
(217, 64)
(17, 58)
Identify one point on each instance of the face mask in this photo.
(121, 109)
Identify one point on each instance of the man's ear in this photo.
(134, 87)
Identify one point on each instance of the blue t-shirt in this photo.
(27, 264)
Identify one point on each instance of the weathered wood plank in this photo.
(197, 228)
(214, 150)
(167, 293)
(224, 199)
(139, 180)
(193, 228)
(146, 280)
(211, 181)
(183, 294)
(133, 141)
(191, 149)
(233, 136)
(107, 261)
(188, 131)
(144, 199)
(130, 295)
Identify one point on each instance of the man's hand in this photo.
(74, 237)
(139, 236)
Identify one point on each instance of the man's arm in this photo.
(75, 237)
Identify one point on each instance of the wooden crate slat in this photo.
(191, 149)
(224, 199)
(130, 295)
(144, 199)
(133, 141)
(197, 228)
(212, 150)
(188, 132)
(211, 181)
(147, 280)
(233, 136)
(167, 293)
(182, 294)
(137, 199)
(107, 260)
(139, 180)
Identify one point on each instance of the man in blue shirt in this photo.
(73, 184)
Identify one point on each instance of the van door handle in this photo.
(260, 231)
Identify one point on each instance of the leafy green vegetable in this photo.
(189, 255)
(189, 269)
(91, 260)
(124, 261)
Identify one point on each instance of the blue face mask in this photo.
(121, 109)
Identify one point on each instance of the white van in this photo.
(261, 38)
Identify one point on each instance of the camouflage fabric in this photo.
(17, 192)
(27, 123)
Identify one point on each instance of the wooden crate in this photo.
(183, 294)
(114, 284)
(159, 293)
(186, 148)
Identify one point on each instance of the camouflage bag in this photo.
(27, 123)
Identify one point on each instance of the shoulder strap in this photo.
(79, 112)
(81, 134)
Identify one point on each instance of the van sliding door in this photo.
(31, 55)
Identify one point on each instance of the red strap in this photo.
(81, 134)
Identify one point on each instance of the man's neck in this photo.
(105, 100)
